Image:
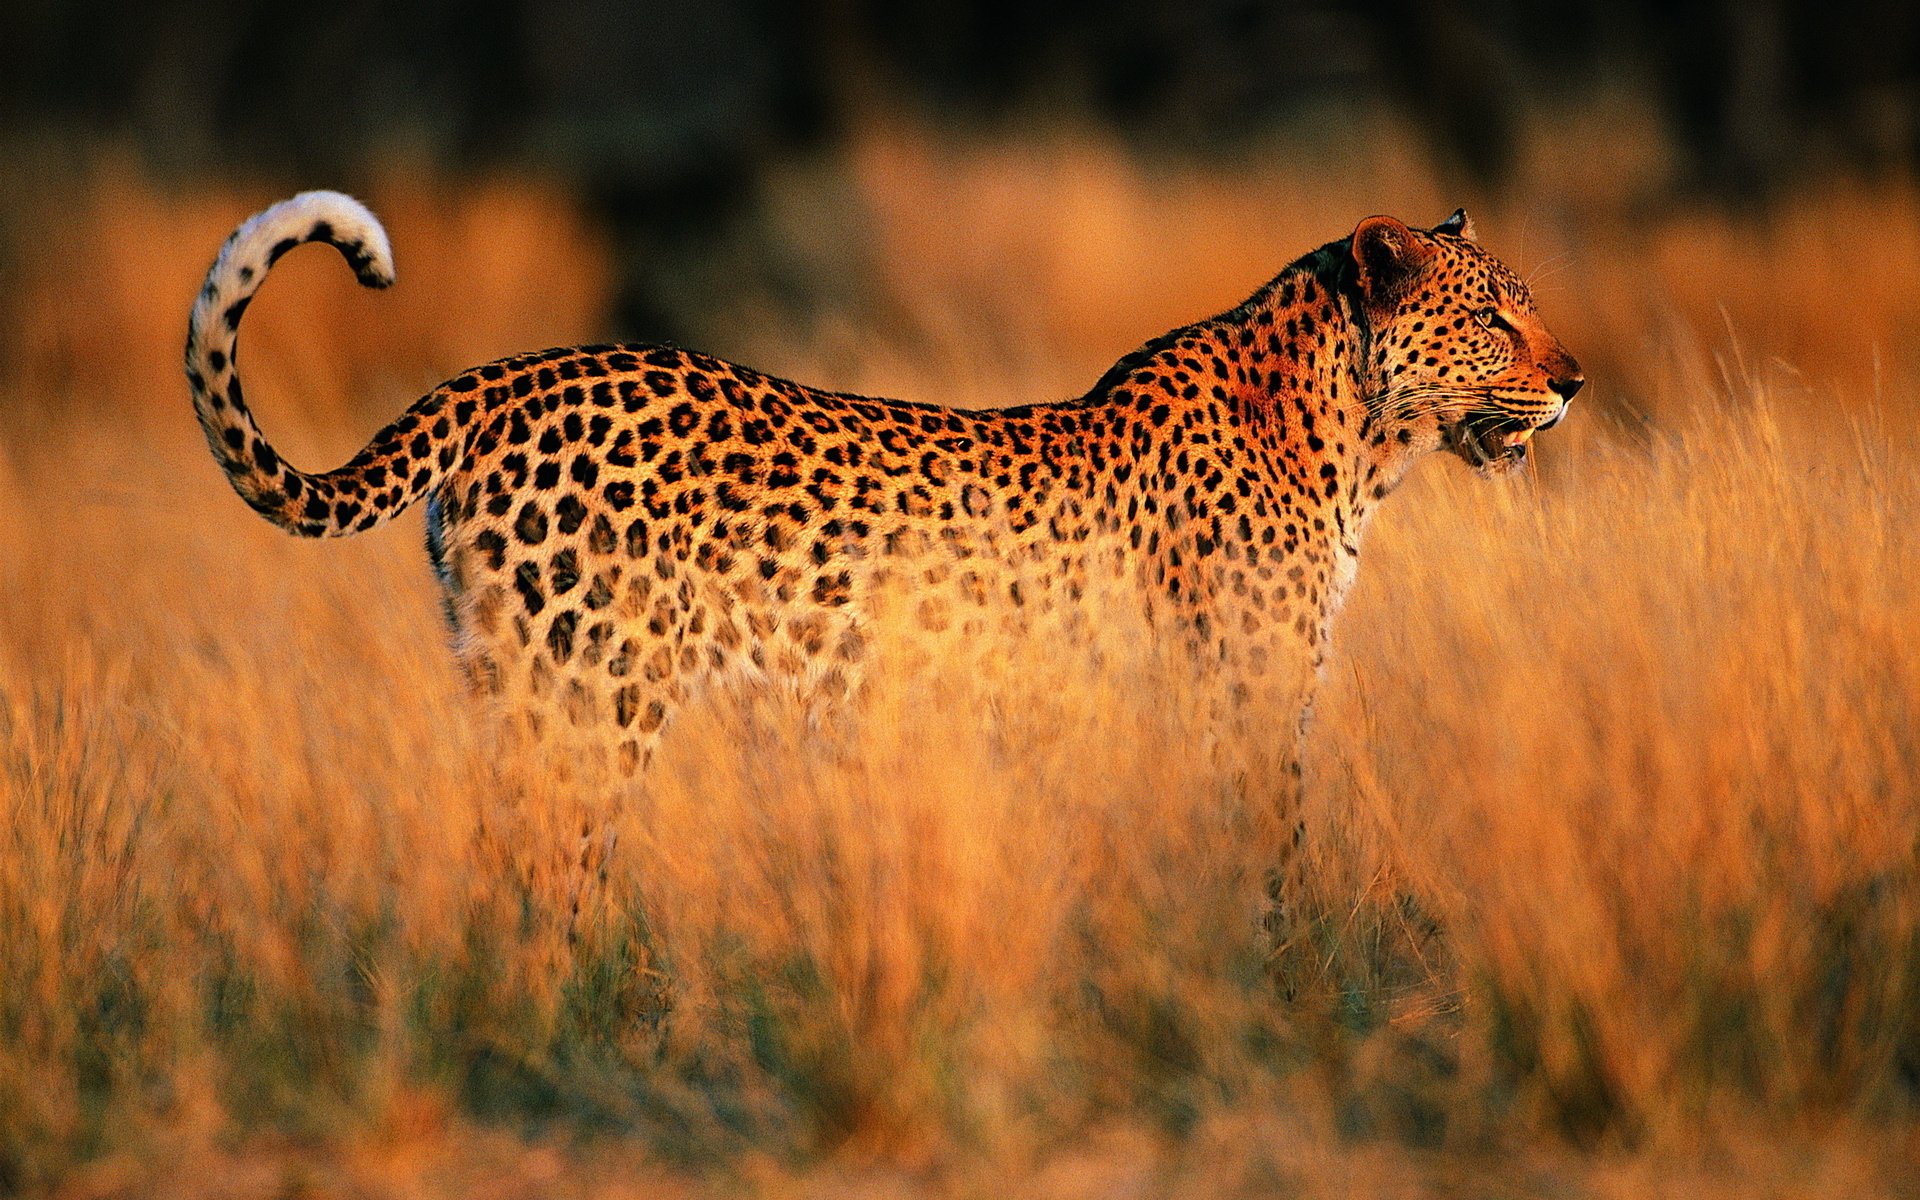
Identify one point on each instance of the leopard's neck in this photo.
(1285, 377)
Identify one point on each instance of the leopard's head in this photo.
(1456, 356)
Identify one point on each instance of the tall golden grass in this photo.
(1610, 878)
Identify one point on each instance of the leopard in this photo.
(617, 528)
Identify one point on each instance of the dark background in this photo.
(666, 117)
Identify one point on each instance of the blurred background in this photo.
(1057, 182)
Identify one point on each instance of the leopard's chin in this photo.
(1490, 447)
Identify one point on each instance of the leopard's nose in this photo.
(1568, 386)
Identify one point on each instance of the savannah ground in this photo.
(1613, 791)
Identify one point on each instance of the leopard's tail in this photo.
(401, 464)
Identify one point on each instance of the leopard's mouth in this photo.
(1491, 444)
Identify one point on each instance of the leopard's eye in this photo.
(1491, 319)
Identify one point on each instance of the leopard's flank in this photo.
(617, 528)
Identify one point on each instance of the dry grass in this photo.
(1613, 809)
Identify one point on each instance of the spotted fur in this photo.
(618, 527)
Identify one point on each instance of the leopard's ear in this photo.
(1459, 225)
(1387, 254)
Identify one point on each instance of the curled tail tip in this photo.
(322, 216)
(251, 251)
(344, 223)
